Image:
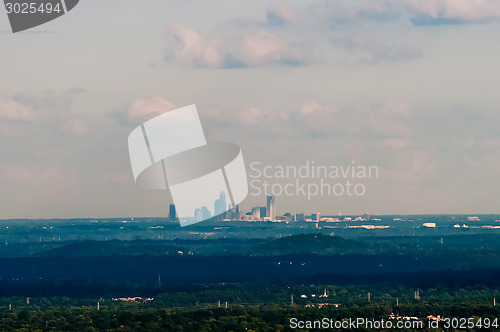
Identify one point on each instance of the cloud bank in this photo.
(192, 48)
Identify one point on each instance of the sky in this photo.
(409, 86)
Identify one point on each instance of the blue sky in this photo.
(410, 86)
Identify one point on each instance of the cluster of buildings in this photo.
(259, 213)
(133, 299)
(324, 295)
(405, 317)
(265, 213)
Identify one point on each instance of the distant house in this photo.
(396, 316)
(133, 299)
(321, 305)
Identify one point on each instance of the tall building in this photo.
(256, 213)
(263, 212)
(315, 216)
(300, 217)
(271, 207)
(205, 213)
(172, 215)
(197, 215)
(220, 204)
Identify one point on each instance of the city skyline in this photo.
(262, 213)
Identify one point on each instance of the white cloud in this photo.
(330, 13)
(12, 110)
(452, 11)
(192, 48)
(334, 13)
(254, 116)
(281, 14)
(76, 127)
(310, 107)
(145, 109)
(46, 104)
(314, 106)
(263, 47)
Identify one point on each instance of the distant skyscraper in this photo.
(367, 216)
(197, 215)
(172, 215)
(315, 216)
(263, 212)
(300, 217)
(220, 204)
(205, 213)
(271, 207)
(256, 213)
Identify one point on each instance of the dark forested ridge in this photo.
(108, 268)
(184, 280)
